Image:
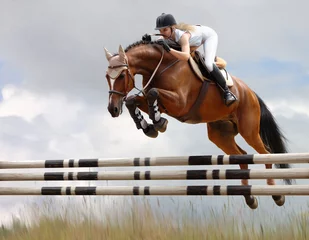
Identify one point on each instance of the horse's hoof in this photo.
(150, 131)
(161, 125)
(279, 200)
(252, 202)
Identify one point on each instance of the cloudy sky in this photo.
(54, 95)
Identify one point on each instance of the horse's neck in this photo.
(143, 59)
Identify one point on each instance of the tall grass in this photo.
(132, 218)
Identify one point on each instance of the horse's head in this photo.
(120, 80)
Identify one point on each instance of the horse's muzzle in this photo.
(115, 109)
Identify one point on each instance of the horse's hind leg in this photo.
(131, 103)
(222, 133)
(248, 127)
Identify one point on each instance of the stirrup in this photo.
(233, 98)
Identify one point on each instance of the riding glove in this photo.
(164, 44)
(146, 37)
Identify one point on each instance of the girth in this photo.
(193, 112)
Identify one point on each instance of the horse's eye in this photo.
(121, 75)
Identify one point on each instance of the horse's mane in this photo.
(171, 43)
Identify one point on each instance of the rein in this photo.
(154, 72)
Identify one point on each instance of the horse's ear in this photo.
(122, 55)
(108, 54)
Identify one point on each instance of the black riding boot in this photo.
(229, 97)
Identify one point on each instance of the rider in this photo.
(193, 36)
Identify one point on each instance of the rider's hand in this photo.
(146, 37)
(164, 44)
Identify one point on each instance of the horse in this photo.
(171, 87)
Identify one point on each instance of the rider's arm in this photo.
(184, 54)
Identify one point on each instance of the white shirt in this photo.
(198, 36)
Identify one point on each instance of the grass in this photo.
(145, 219)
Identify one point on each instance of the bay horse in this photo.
(171, 87)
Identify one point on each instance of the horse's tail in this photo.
(272, 137)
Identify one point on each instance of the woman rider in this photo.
(193, 36)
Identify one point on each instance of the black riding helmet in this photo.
(165, 20)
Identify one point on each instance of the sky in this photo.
(54, 95)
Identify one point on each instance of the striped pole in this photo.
(297, 173)
(161, 190)
(163, 161)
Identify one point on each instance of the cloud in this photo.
(55, 95)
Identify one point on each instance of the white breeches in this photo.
(210, 50)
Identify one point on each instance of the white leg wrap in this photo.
(141, 118)
(156, 110)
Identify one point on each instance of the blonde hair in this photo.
(185, 27)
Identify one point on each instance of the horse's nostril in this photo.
(115, 110)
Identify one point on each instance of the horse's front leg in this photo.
(153, 96)
(131, 103)
(159, 122)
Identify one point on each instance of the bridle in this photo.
(130, 75)
(126, 68)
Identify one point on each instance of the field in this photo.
(155, 218)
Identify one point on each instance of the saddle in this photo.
(197, 63)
